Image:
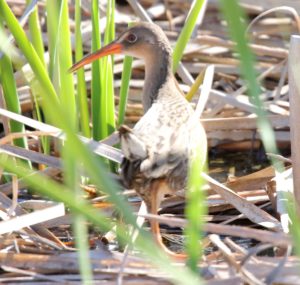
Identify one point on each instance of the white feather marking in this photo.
(132, 147)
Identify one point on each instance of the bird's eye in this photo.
(131, 38)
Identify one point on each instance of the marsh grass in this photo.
(57, 98)
(55, 88)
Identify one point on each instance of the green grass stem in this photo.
(82, 99)
(11, 97)
(186, 32)
(236, 20)
(99, 129)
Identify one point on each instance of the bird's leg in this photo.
(155, 202)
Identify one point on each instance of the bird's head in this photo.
(143, 40)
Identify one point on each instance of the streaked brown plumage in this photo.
(159, 148)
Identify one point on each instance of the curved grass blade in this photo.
(186, 32)
(235, 17)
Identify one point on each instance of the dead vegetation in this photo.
(246, 238)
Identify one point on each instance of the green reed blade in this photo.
(126, 75)
(82, 100)
(11, 97)
(236, 19)
(52, 29)
(195, 209)
(186, 32)
(66, 83)
(37, 42)
(125, 81)
(98, 130)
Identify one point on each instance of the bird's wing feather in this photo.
(132, 146)
(167, 134)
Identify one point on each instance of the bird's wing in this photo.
(167, 138)
(132, 146)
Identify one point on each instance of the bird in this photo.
(160, 147)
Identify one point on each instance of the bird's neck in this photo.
(158, 70)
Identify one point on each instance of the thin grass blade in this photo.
(67, 97)
(99, 131)
(195, 87)
(82, 100)
(66, 83)
(195, 210)
(11, 97)
(186, 32)
(72, 177)
(52, 26)
(107, 96)
(126, 75)
(81, 234)
(37, 42)
(10, 94)
(36, 33)
(235, 17)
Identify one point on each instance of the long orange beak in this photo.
(112, 48)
